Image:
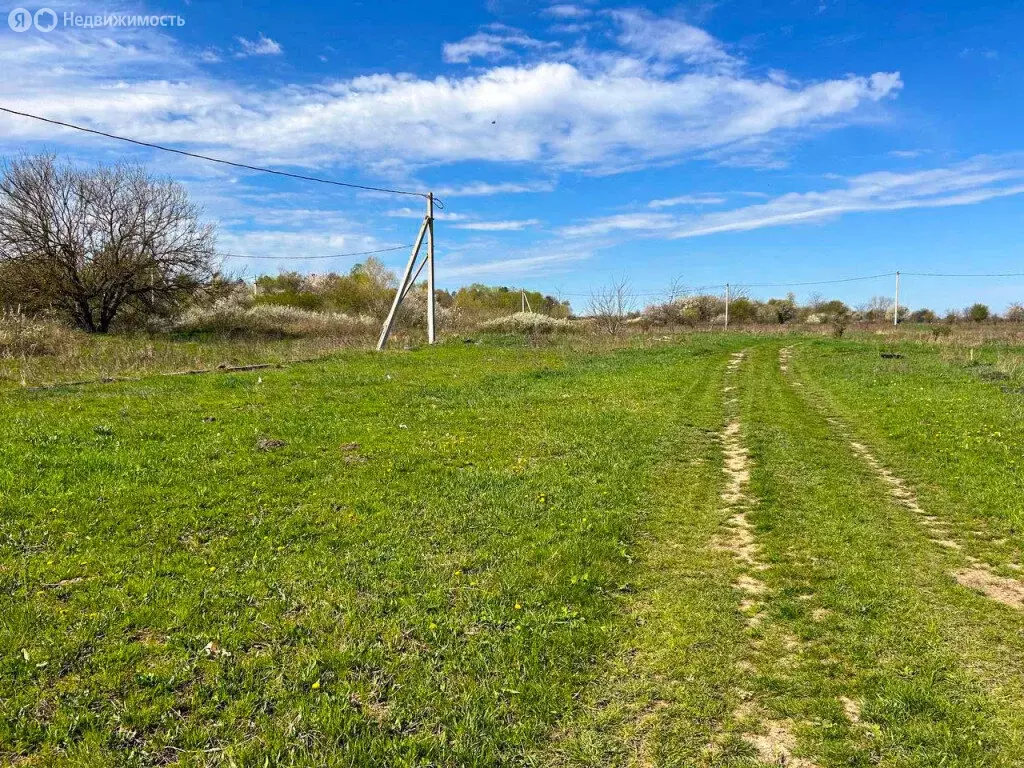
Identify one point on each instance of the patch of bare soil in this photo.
(999, 588)
(774, 740)
(851, 708)
(775, 745)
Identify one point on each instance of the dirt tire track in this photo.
(772, 739)
(979, 576)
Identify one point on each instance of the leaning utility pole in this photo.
(727, 305)
(408, 277)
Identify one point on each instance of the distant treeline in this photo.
(369, 288)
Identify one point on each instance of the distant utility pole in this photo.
(408, 277)
(727, 306)
(896, 306)
(526, 301)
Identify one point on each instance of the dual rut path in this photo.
(803, 608)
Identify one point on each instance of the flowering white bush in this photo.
(228, 316)
(528, 322)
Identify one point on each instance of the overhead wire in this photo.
(974, 274)
(318, 256)
(440, 205)
(693, 289)
(222, 161)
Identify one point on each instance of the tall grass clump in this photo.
(22, 335)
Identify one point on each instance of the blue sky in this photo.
(572, 143)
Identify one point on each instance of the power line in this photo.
(687, 289)
(815, 282)
(976, 274)
(217, 159)
(318, 256)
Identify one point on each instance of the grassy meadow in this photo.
(656, 553)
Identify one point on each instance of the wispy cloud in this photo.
(670, 202)
(485, 189)
(669, 39)
(629, 222)
(967, 183)
(418, 213)
(550, 260)
(490, 46)
(262, 46)
(566, 11)
(511, 225)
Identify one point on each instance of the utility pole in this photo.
(408, 277)
(727, 306)
(430, 267)
(896, 306)
(522, 296)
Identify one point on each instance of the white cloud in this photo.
(484, 189)
(566, 11)
(419, 213)
(968, 183)
(490, 46)
(262, 46)
(512, 225)
(552, 259)
(635, 222)
(669, 202)
(668, 39)
(603, 113)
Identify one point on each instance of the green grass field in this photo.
(686, 553)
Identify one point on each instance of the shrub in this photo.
(977, 313)
(923, 316)
(691, 310)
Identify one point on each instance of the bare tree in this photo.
(677, 289)
(93, 244)
(611, 304)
